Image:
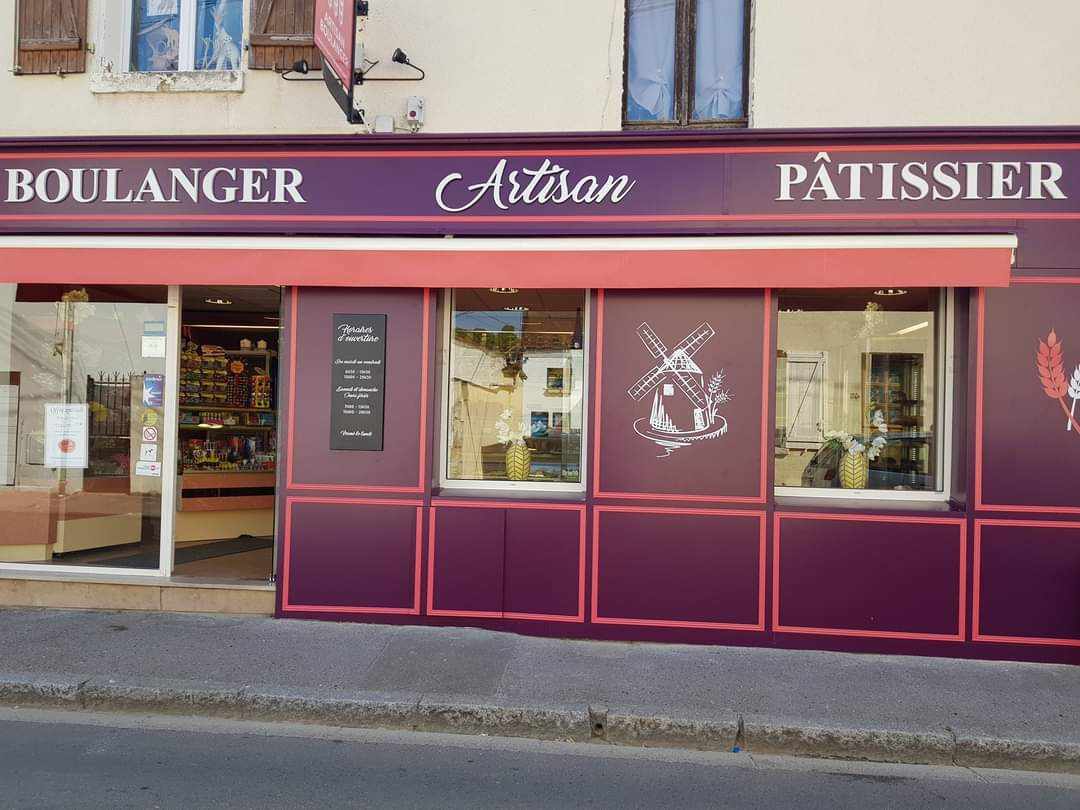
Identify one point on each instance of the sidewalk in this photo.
(884, 708)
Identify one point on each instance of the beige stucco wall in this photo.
(851, 63)
(492, 66)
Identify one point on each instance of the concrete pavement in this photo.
(880, 708)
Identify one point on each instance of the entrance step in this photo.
(19, 589)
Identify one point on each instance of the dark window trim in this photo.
(685, 39)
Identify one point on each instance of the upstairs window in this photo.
(186, 35)
(686, 62)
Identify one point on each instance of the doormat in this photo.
(206, 551)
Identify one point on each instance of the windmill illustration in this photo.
(676, 369)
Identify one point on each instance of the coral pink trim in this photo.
(960, 523)
(980, 362)
(597, 387)
(290, 483)
(702, 625)
(578, 617)
(286, 604)
(976, 585)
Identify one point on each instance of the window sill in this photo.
(866, 503)
(446, 494)
(196, 81)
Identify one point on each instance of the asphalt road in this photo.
(70, 760)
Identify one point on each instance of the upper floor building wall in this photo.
(884, 63)
(492, 66)
(558, 65)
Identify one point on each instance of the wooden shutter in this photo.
(51, 36)
(281, 34)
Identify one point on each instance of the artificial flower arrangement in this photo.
(855, 463)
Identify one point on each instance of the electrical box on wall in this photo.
(414, 111)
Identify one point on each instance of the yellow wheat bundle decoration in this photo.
(518, 461)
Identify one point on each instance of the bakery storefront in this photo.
(801, 389)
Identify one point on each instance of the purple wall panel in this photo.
(671, 567)
(1029, 457)
(543, 562)
(897, 576)
(467, 560)
(724, 467)
(349, 554)
(398, 464)
(1028, 581)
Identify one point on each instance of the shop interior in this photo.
(227, 442)
(857, 379)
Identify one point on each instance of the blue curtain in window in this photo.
(718, 60)
(155, 35)
(650, 83)
(218, 34)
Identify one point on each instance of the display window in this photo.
(515, 365)
(82, 424)
(861, 391)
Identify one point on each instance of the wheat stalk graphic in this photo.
(1074, 393)
(1051, 368)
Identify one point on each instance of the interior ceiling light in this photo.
(890, 291)
(907, 330)
(221, 302)
(516, 309)
(503, 290)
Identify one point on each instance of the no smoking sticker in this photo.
(149, 434)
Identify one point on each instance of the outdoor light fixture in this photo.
(220, 302)
(301, 67)
(400, 57)
(890, 291)
(503, 290)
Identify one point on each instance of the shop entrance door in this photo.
(804, 401)
(227, 429)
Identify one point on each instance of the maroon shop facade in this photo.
(668, 230)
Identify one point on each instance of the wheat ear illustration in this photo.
(1051, 368)
(1074, 394)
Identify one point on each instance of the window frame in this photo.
(944, 413)
(685, 53)
(186, 56)
(526, 488)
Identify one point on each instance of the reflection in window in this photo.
(857, 389)
(516, 372)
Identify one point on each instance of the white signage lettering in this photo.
(219, 185)
(917, 180)
(547, 183)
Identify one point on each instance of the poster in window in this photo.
(66, 435)
(357, 379)
(539, 424)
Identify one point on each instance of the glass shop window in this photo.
(686, 62)
(859, 389)
(516, 382)
(184, 35)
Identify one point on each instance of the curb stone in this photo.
(722, 733)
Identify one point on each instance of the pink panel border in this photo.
(598, 401)
(980, 504)
(976, 592)
(291, 483)
(598, 619)
(412, 610)
(960, 523)
(578, 617)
